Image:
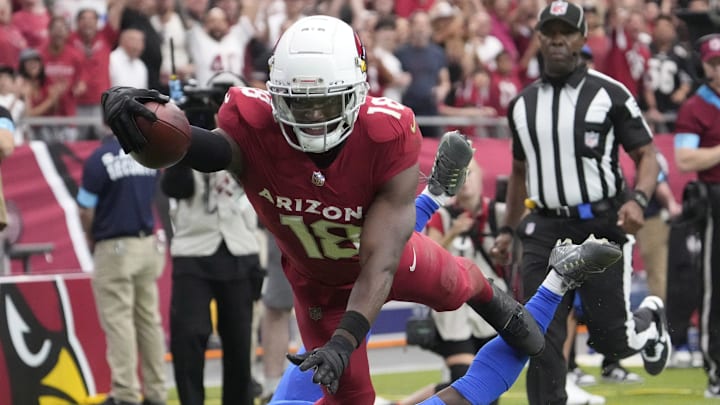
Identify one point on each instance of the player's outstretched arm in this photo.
(207, 152)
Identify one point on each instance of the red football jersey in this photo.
(11, 43)
(66, 66)
(503, 88)
(33, 26)
(317, 214)
(700, 115)
(96, 59)
(626, 61)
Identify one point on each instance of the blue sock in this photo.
(425, 207)
(497, 365)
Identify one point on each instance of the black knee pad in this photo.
(457, 371)
(441, 387)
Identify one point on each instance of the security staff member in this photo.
(567, 129)
(116, 211)
(697, 148)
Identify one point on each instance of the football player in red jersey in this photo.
(332, 173)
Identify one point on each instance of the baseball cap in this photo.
(29, 53)
(709, 47)
(570, 13)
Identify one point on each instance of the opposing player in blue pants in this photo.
(497, 365)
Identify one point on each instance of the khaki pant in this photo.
(653, 241)
(125, 288)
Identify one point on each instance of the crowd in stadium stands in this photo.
(440, 57)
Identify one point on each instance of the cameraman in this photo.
(215, 256)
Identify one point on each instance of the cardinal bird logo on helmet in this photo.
(361, 59)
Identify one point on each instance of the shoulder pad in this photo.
(386, 119)
(250, 104)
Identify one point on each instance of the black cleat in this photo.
(451, 162)
(512, 321)
(656, 354)
(575, 263)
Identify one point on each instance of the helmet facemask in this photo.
(320, 118)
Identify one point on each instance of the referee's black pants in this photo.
(614, 330)
(193, 287)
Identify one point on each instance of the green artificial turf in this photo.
(672, 387)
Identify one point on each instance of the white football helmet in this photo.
(318, 82)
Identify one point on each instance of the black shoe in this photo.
(512, 321)
(256, 388)
(451, 164)
(149, 402)
(575, 263)
(112, 401)
(656, 353)
(615, 373)
(713, 390)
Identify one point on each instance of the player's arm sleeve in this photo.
(209, 152)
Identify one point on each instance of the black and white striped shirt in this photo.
(569, 133)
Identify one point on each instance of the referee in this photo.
(567, 129)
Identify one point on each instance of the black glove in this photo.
(121, 105)
(328, 361)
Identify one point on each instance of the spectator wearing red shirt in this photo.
(41, 96)
(405, 8)
(505, 83)
(11, 39)
(64, 64)
(597, 38)
(94, 47)
(383, 8)
(32, 20)
(470, 96)
(627, 59)
(501, 16)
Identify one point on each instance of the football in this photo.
(168, 138)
